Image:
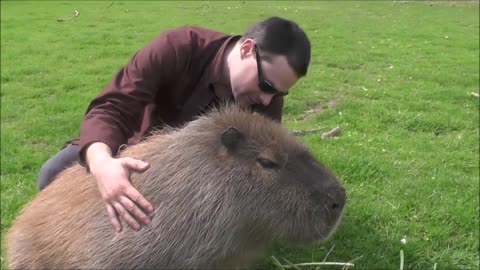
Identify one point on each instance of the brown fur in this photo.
(216, 205)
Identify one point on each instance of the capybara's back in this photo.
(224, 187)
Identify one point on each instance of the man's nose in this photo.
(266, 99)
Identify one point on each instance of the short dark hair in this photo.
(280, 36)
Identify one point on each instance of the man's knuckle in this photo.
(135, 197)
(130, 207)
(120, 211)
(107, 196)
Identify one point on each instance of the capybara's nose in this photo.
(336, 199)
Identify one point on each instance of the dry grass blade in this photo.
(328, 253)
(401, 259)
(277, 263)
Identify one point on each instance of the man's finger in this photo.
(126, 216)
(112, 214)
(135, 164)
(134, 210)
(138, 198)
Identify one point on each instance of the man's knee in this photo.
(66, 157)
(46, 174)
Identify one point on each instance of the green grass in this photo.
(395, 76)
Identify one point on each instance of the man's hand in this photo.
(120, 197)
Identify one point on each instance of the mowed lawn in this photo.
(401, 80)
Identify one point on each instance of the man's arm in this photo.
(117, 112)
(114, 116)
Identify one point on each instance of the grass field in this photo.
(396, 77)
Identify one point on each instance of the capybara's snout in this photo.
(329, 199)
(335, 200)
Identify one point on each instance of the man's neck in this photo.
(228, 61)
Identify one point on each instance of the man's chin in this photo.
(243, 102)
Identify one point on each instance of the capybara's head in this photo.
(272, 179)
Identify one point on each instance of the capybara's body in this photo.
(224, 188)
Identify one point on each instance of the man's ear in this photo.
(247, 48)
(231, 138)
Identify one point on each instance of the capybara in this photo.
(225, 187)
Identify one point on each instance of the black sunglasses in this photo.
(264, 85)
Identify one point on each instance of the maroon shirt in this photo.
(168, 82)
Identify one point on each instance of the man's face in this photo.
(255, 80)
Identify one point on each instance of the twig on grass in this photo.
(292, 265)
(473, 94)
(197, 8)
(307, 131)
(297, 265)
(75, 14)
(322, 264)
(346, 266)
(332, 133)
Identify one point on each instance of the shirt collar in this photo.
(222, 88)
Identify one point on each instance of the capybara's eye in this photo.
(267, 163)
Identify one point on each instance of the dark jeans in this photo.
(63, 159)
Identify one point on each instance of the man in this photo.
(180, 74)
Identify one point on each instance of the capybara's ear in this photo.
(231, 138)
